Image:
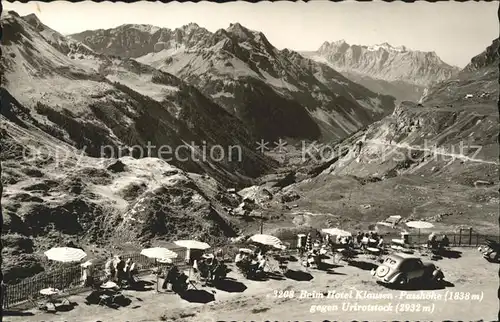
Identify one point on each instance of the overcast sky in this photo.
(455, 31)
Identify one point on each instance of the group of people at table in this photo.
(369, 242)
(251, 263)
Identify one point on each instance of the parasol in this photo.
(336, 232)
(245, 250)
(267, 240)
(419, 225)
(192, 244)
(308, 243)
(65, 254)
(159, 254)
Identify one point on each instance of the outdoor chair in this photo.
(105, 299)
(37, 303)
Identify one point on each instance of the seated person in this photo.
(364, 242)
(132, 272)
(445, 242)
(359, 237)
(180, 284)
(171, 273)
(261, 259)
(380, 243)
(350, 242)
(210, 263)
(432, 242)
(220, 270)
(310, 260)
(240, 259)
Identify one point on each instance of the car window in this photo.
(406, 266)
(390, 262)
(418, 263)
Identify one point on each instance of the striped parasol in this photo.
(267, 240)
(65, 254)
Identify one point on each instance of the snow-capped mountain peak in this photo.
(387, 47)
(398, 71)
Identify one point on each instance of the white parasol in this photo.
(245, 250)
(65, 254)
(419, 224)
(192, 244)
(160, 253)
(336, 232)
(267, 240)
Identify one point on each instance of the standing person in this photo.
(87, 274)
(119, 269)
(109, 269)
(5, 304)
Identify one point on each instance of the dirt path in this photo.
(434, 151)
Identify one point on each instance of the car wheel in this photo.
(437, 276)
(402, 280)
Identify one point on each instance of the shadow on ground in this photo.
(300, 276)
(450, 254)
(16, 313)
(198, 296)
(423, 286)
(366, 266)
(142, 286)
(230, 285)
(66, 307)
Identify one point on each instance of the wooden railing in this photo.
(68, 279)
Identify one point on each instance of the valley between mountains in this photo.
(383, 138)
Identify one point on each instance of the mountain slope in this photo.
(452, 134)
(97, 102)
(436, 161)
(396, 71)
(267, 89)
(81, 133)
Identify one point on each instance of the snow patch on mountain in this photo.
(222, 94)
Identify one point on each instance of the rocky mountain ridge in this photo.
(398, 71)
(268, 89)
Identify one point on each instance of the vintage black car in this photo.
(401, 269)
(491, 252)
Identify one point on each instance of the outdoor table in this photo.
(109, 286)
(374, 252)
(49, 293)
(398, 241)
